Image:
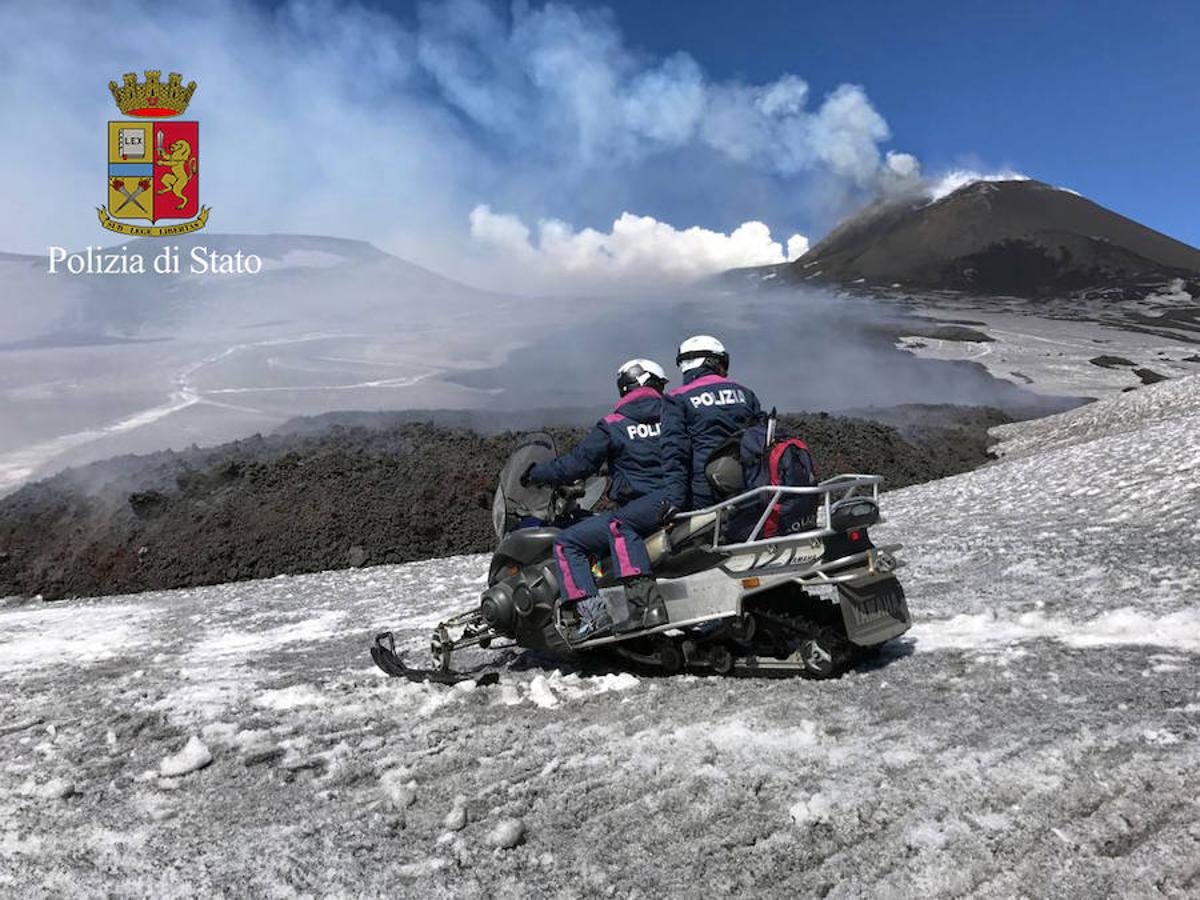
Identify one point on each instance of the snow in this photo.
(956, 179)
(54, 789)
(1053, 356)
(36, 638)
(1124, 414)
(193, 757)
(610, 681)
(740, 737)
(399, 787)
(456, 819)
(312, 626)
(541, 693)
(1120, 627)
(290, 697)
(1089, 522)
(507, 834)
(1037, 726)
(1173, 294)
(423, 868)
(811, 810)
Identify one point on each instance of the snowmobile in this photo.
(815, 601)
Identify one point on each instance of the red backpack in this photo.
(765, 459)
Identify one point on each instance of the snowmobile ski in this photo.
(383, 652)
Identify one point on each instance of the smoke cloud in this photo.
(798, 348)
(328, 117)
(636, 247)
(566, 74)
(959, 178)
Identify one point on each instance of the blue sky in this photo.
(1097, 95)
(606, 138)
(1100, 96)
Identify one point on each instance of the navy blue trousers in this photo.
(618, 533)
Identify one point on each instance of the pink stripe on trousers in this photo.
(573, 591)
(626, 565)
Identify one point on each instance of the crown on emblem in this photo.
(152, 99)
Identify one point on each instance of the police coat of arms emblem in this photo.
(153, 159)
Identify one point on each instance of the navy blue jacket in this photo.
(702, 414)
(628, 440)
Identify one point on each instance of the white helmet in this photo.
(640, 373)
(699, 350)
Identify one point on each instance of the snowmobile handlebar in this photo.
(572, 491)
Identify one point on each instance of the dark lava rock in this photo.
(1112, 362)
(309, 501)
(1149, 376)
(957, 333)
(148, 504)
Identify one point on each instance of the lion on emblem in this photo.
(177, 179)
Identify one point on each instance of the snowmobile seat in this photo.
(667, 541)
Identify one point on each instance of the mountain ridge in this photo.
(1019, 237)
(299, 274)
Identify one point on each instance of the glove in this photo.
(666, 512)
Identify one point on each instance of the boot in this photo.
(646, 607)
(590, 629)
(594, 621)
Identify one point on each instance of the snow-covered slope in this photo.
(1086, 535)
(1173, 403)
(1036, 733)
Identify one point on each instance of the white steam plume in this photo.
(321, 116)
(959, 178)
(564, 73)
(638, 247)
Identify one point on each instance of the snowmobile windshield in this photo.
(515, 501)
(594, 489)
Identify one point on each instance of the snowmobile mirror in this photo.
(853, 512)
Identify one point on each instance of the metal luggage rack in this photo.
(776, 555)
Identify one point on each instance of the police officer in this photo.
(702, 413)
(628, 440)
